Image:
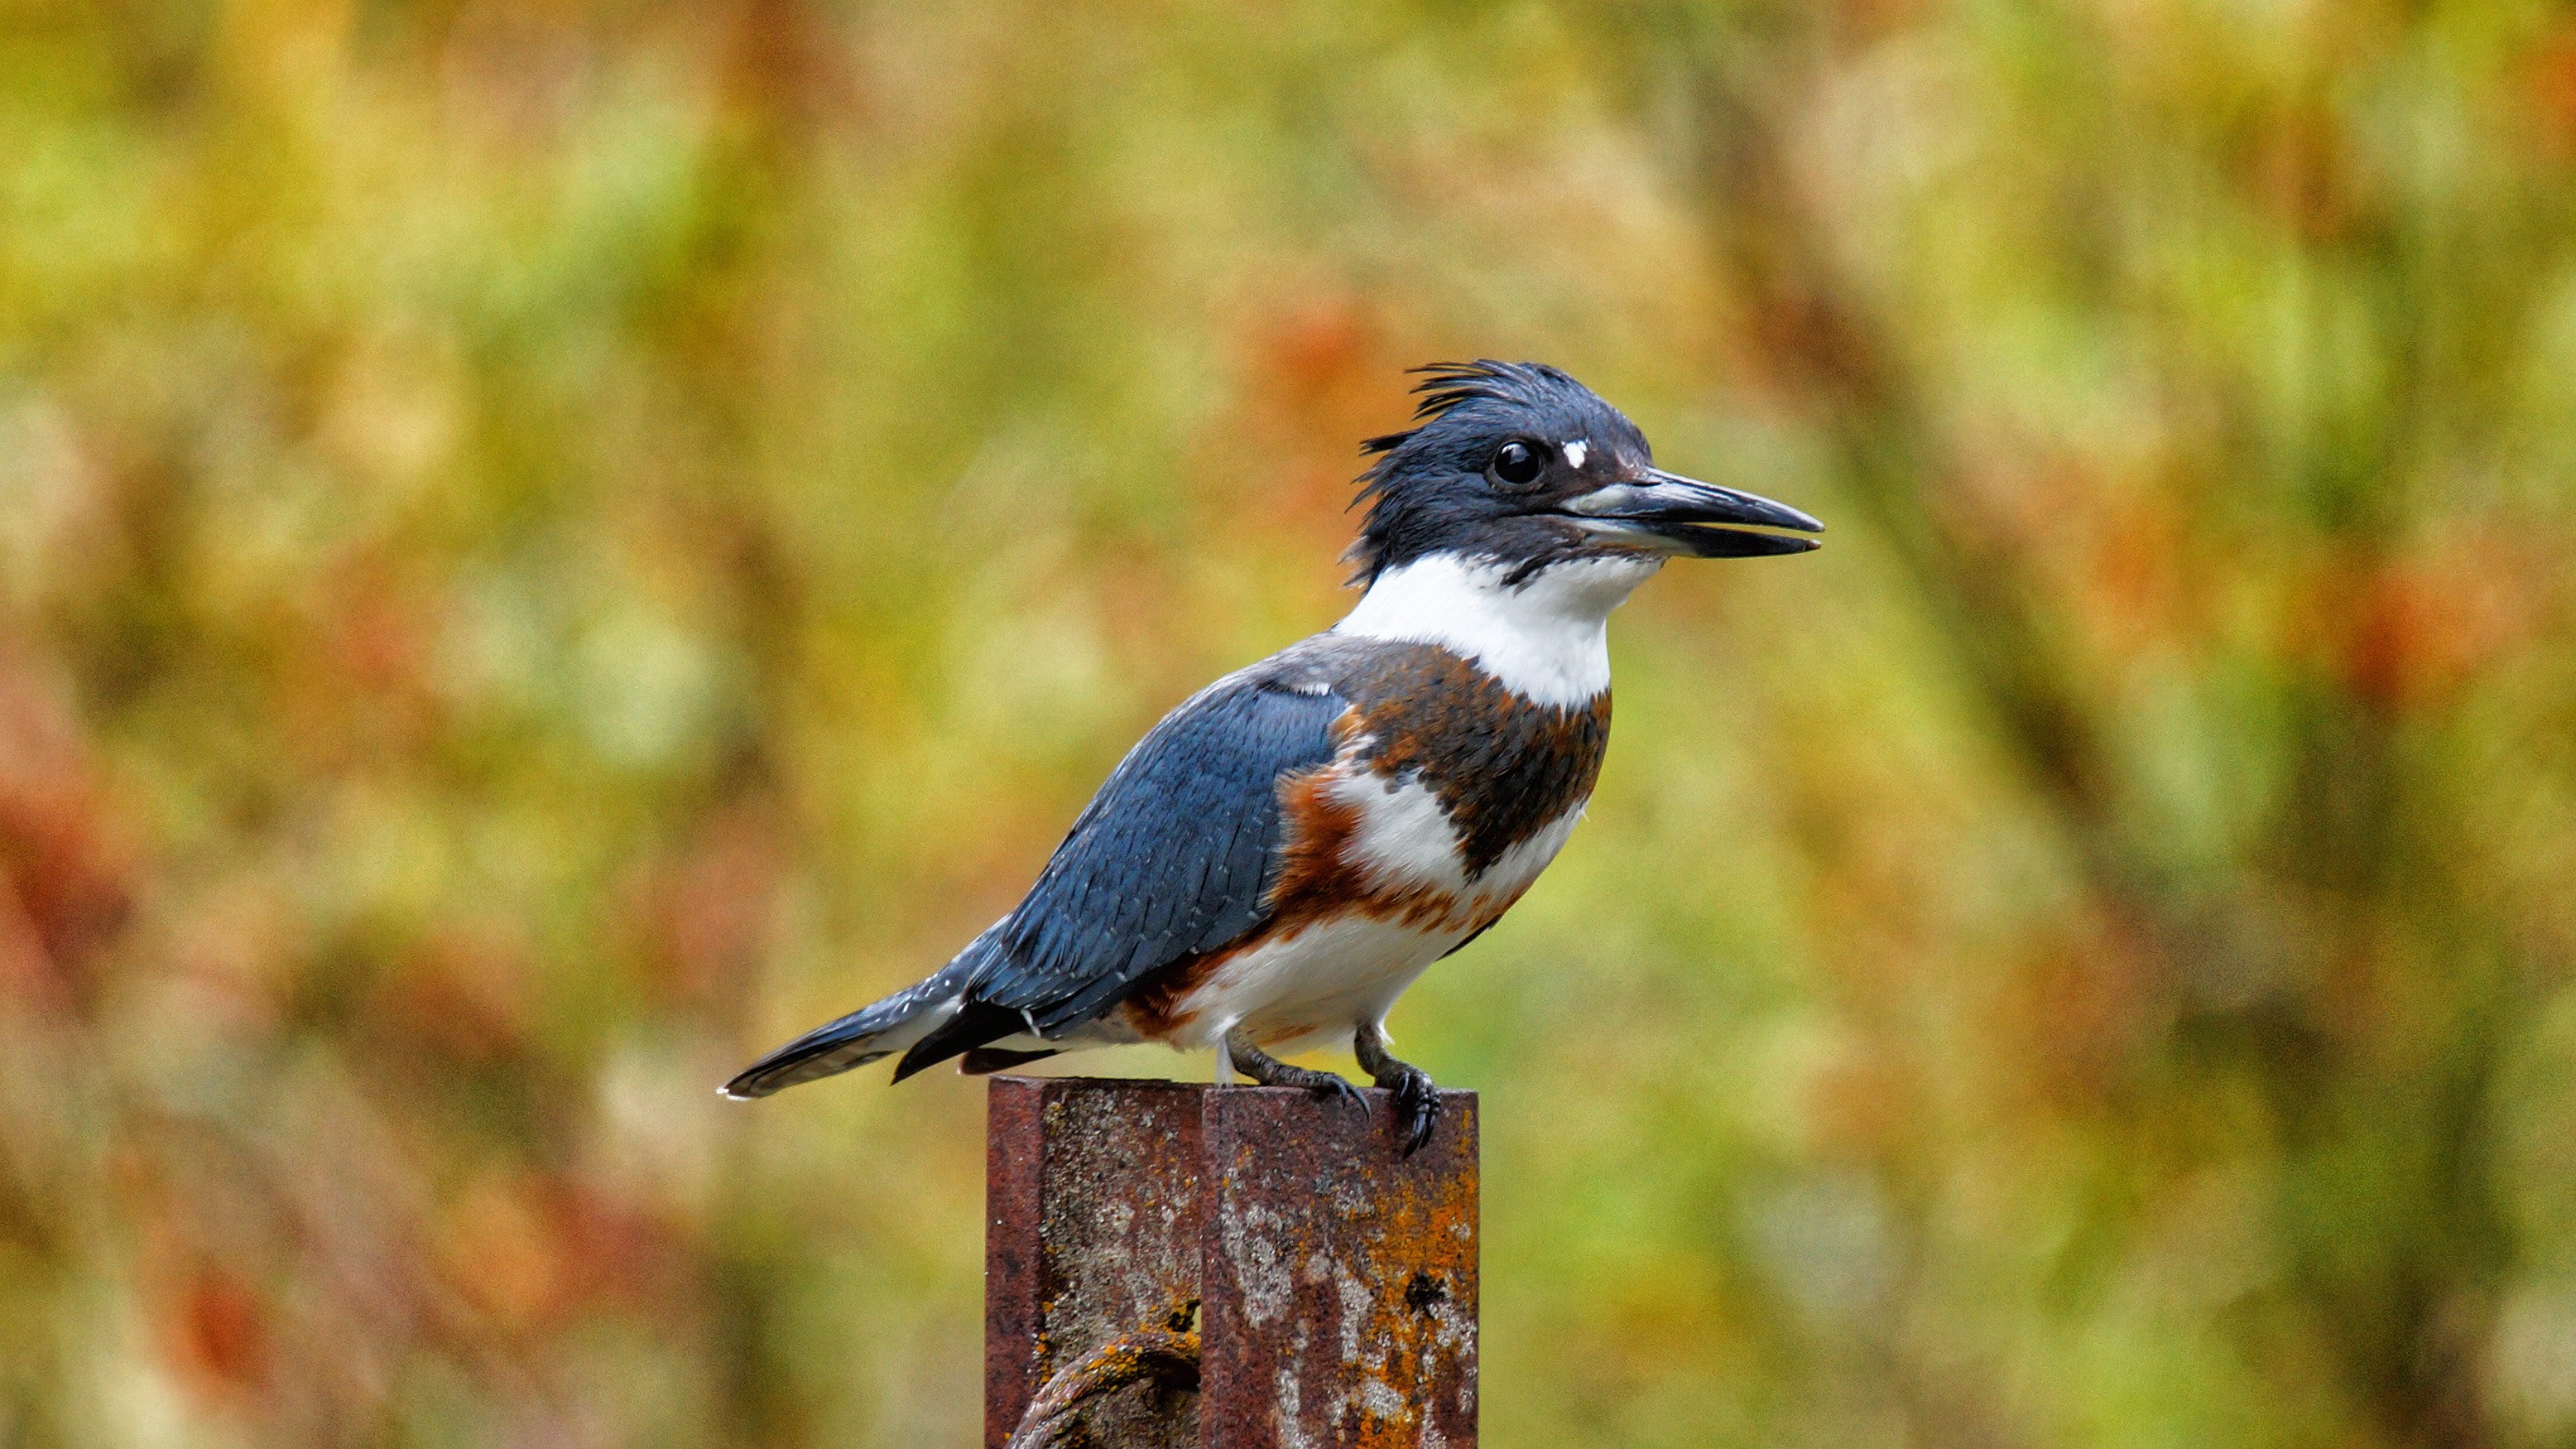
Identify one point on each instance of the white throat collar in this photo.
(1546, 639)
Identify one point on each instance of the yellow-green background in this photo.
(546, 546)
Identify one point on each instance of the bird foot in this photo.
(1269, 1071)
(1417, 1105)
(1417, 1098)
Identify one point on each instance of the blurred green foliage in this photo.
(547, 546)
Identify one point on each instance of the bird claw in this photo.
(1417, 1107)
(1333, 1087)
(1271, 1072)
(1417, 1099)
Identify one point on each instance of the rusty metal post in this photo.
(1336, 1279)
(1092, 1226)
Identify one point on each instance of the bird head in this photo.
(1517, 464)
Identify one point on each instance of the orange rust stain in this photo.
(1412, 1249)
(1434, 1231)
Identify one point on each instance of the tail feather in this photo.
(967, 1026)
(865, 1035)
(984, 1061)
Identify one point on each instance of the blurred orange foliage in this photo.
(546, 547)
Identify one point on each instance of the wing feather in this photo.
(1171, 858)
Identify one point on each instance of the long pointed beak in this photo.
(1684, 515)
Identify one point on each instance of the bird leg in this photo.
(1417, 1101)
(1269, 1071)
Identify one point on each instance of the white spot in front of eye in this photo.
(1575, 450)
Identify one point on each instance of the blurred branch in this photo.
(2398, 1321)
(1821, 345)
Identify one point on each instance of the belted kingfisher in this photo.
(1279, 858)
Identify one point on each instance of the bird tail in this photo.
(865, 1035)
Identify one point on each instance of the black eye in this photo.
(1518, 464)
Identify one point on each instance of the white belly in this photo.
(1311, 987)
(1305, 992)
(1312, 990)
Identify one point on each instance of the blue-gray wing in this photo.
(1173, 857)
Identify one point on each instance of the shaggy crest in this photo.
(1477, 400)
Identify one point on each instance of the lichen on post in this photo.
(1334, 1277)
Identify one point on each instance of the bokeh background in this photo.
(546, 546)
